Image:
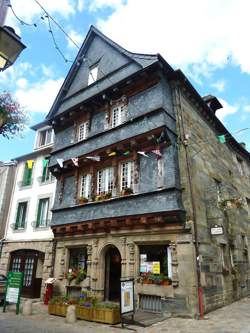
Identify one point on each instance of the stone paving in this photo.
(234, 318)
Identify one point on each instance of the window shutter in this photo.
(38, 219)
(24, 210)
(18, 216)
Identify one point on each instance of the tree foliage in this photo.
(12, 116)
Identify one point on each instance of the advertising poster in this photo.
(127, 296)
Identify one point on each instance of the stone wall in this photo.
(41, 246)
(224, 259)
(178, 299)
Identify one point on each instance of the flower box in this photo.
(58, 309)
(84, 312)
(106, 315)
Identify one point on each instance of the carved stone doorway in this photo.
(112, 274)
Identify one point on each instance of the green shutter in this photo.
(27, 175)
(38, 220)
(18, 216)
(24, 209)
(44, 174)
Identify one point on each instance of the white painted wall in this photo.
(32, 194)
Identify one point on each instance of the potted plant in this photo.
(71, 275)
(107, 313)
(58, 306)
(83, 200)
(80, 275)
(127, 191)
(84, 309)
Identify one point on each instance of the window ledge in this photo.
(17, 230)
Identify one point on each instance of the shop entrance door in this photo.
(26, 261)
(112, 274)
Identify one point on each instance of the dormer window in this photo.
(118, 114)
(83, 130)
(44, 137)
(93, 71)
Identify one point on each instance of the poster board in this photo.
(13, 289)
(127, 297)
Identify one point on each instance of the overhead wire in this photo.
(19, 19)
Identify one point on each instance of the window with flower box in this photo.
(155, 264)
(118, 114)
(83, 130)
(85, 187)
(105, 181)
(127, 171)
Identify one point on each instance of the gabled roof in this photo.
(143, 60)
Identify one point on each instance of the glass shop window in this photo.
(156, 260)
(78, 258)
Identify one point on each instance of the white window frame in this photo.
(38, 144)
(44, 214)
(127, 175)
(93, 73)
(105, 181)
(83, 131)
(118, 114)
(85, 186)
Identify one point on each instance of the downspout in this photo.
(193, 205)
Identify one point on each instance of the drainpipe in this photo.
(53, 258)
(193, 205)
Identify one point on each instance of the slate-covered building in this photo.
(136, 193)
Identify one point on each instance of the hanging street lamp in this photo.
(10, 43)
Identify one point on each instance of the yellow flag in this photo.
(112, 154)
(30, 164)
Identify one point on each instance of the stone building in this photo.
(142, 179)
(28, 240)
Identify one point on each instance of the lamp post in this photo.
(10, 43)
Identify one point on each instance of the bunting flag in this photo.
(142, 153)
(30, 164)
(157, 152)
(45, 163)
(126, 153)
(75, 161)
(113, 153)
(60, 162)
(221, 138)
(94, 158)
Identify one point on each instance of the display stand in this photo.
(13, 290)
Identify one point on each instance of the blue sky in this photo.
(196, 36)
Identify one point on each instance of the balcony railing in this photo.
(16, 227)
(45, 180)
(24, 183)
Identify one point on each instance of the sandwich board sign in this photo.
(127, 305)
(13, 289)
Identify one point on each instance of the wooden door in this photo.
(26, 262)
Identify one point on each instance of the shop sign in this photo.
(216, 230)
(13, 289)
(127, 297)
(156, 267)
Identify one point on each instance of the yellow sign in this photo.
(156, 267)
(30, 164)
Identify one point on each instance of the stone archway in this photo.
(112, 273)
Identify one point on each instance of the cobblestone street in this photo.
(234, 318)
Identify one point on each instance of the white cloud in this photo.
(219, 85)
(186, 33)
(76, 37)
(39, 97)
(227, 109)
(80, 5)
(30, 12)
(94, 5)
(21, 83)
(246, 108)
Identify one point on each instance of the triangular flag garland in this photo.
(30, 164)
(142, 153)
(45, 162)
(157, 152)
(126, 153)
(94, 158)
(75, 161)
(60, 162)
(221, 138)
(113, 153)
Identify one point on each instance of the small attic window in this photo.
(93, 71)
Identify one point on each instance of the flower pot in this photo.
(84, 312)
(58, 309)
(106, 316)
